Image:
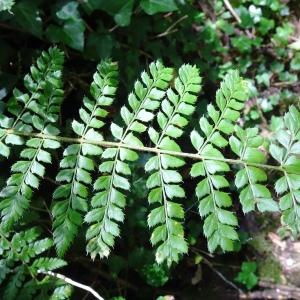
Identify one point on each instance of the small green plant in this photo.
(247, 276)
(6, 5)
(155, 275)
(21, 263)
(157, 115)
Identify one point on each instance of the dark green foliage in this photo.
(76, 166)
(219, 225)
(250, 179)
(36, 111)
(152, 95)
(285, 150)
(39, 105)
(253, 184)
(247, 276)
(164, 182)
(155, 275)
(22, 259)
(109, 201)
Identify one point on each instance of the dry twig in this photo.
(72, 282)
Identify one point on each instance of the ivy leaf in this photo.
(27, 15)
(152, 7)
(121, 10)
(72, 31)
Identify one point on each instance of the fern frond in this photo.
(109, 201)
(35, 116)
(29, 169)
(286, 150)
(61, 293)
(6, 5)
(76, 166)
(23, 261)
(246, 145)
(164, 182)
(23, 106)
(219, 224)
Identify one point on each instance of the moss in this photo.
(269, 269)
(261, 244)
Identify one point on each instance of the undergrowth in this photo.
(94, 173)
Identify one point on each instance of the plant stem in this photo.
(72, 282)
(108, 144)
(232, 11)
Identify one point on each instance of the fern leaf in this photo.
(4, 269)
(286, 150)
(24, 106)
(35, 113)
(16, 281)
(6, 5)
(109, 201)
(219, 224)
(47, 264)
(24, 253)
(29, 170)
(62, 292)
(76, 166)
(164, 182)
(246, 145)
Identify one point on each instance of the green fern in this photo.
(166, 103)
(6, 5)
(22, 262)
(286, 151)
(109, 201)
(76, 166)
(246, 145)
(164, 183)
(23, 106)
(39, 112)
(220, 223)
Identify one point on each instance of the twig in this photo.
(284, 84)
(140, 50)
(165, 33)
(196, 250)
(72, 282)
(113, 28)
(273, 291)
(210, 265)
(272, 285)
(232, 11)
(107, 144)
(87, 293)
(90, 29)
(38, 209)
(260, 112)
(170, 29)
(105, 275)
(12, 28)
(191, 206)
(6, 26)
(47, 208)
(52, 181)
(236, 16)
